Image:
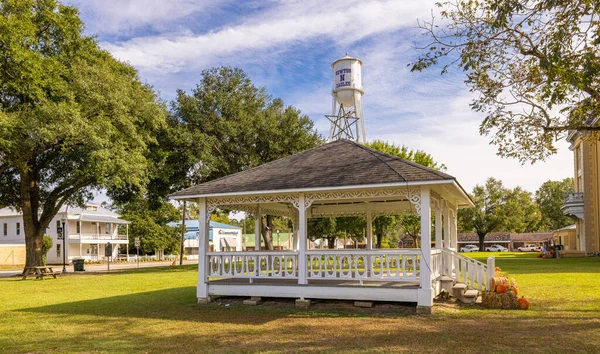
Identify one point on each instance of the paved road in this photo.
(102, 267)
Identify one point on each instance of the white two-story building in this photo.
(87, 232)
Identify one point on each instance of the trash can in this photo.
(78, 265)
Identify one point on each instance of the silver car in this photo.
(469, 248)
(496, 248)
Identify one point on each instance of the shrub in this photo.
(46, 246)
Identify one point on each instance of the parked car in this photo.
(496, 248)
(469, 248)
(529, 248)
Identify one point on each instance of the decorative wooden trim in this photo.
(253, 199)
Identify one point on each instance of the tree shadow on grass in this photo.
(244, 329)
(180, 304)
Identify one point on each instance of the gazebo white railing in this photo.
(250, 265)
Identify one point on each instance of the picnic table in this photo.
(39, 272)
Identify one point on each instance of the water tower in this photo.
(346, 114)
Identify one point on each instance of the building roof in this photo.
(491, 237)
(73, 212)
(532, 237)
(341, 163)
(101, 218)
(566, 228)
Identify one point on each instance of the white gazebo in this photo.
(340, 178)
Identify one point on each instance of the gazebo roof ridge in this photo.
(337, 164)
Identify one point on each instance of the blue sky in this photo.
(288, 47)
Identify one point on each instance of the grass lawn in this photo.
(153, 310)
(503, 255)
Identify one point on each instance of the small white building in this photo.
(222, 237)
(87, 232)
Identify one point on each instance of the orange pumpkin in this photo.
(523, 303)
(515, 291)
(501, 288)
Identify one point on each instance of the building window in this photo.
(5, 229)
(18, 228)
(107, 228)
(79, 227)
(58, 250)
(57, 225)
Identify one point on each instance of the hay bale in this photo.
(495, 281)
(505, 301)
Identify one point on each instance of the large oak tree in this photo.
(535, 65)
(244, 127)
(72, 118)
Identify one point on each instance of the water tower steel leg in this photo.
(333, 111)
(359, 110)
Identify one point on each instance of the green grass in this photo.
(153, 310)
(508, 255)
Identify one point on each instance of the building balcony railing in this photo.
(98, 237)
(573, 204)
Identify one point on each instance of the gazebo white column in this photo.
(425, 293)
(257, 226)
(454, 236)
(454, 228)
(296, 240)
(302, 237)
(369, 220)
(446, 226)
(202, 289)
(438, 227)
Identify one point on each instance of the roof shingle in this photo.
(336, 164)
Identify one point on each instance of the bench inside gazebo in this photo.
(337, 179)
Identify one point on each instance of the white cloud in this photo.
(285, 25)
(423, 111)
(449, 132)
(117, 16)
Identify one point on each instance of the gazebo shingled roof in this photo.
(336, 164)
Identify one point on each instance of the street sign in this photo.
(108, 250)
(137, 242)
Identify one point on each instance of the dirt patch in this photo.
(389, 308)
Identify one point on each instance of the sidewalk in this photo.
(102, 267)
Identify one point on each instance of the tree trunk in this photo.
(379, 236)
(267, 231)
(33, 244)
(33, 233)
(331, 242)
(481, 241)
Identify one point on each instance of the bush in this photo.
(46, 246)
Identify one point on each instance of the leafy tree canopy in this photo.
(150, 226)
(535, 65)
(487, 215)
(519, 212)
(245, 126)
(418, 156)
(72, 118)
(549, 198)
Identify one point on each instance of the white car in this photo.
(529, 248)
(469, 248)
(496, 248)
